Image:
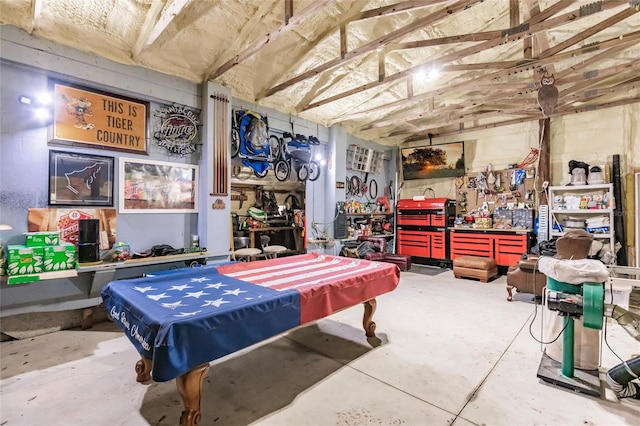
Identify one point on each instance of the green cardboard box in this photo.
(45, 238)
(60, 257)
(24, 260)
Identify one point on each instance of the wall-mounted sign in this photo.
(82, 116)
(178, 129)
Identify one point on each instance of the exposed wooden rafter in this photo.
(535, 117)
(147, 27)
(517, 33)
(468, 84)
(36, 7)
(296, 20)
(373, 45)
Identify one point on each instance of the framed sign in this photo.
(80, 179)
(433, 161)
(98, 119)
(157, 187)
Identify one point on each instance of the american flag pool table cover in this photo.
(185, 318)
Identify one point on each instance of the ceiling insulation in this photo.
(368, 65)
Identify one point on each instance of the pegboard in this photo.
(475, 197)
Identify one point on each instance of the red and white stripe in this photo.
(326, 283)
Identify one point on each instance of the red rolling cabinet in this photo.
(422, 228)
(505, 246)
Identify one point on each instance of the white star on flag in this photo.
(157, 297)
(173, 305)
(217, 285)
(215, 303)
(180, 287)
(235, 292)
(187, 314)
(199, 280)
(197, 294)
(143, 289)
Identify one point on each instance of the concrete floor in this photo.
(447, 352)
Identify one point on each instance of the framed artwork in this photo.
(148, 186)
(433, 161)
(80, 179)
(100, 120)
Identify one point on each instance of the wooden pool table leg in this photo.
(190, 388)
(367, 323)
(143, 370)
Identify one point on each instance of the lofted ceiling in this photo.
(389, 71)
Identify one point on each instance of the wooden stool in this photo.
(271, 252)
(482, 268)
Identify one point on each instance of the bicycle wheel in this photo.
(314, 170)
(235, 143)
(282, 170)
(261, 175)
(240, 172)
(303, 173)
(274, 148)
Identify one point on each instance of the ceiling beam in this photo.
(36, 7)
(372, 45)
(533, 117)
(395, 8)
(508, 35)
(288, 11)
(622, 41)
(507, 93)
(296, 20)
(245, 32)
(170, 11)
(594, 93)
(618, 17)
(481, 36)
(149, 21)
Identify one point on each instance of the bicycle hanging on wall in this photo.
(296, 155)
(251, 142)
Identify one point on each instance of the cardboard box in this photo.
(24, 260)
(60, 257)
(45, 238)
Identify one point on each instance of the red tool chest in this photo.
(505, 247)
(422, 227)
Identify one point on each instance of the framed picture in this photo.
(433, 161)
(148, 186)
(80, 179)
(100, 120)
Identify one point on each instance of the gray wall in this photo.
(24, 148)
(25, 67)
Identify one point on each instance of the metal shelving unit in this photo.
(564, 204)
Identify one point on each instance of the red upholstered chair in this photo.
(403, 261)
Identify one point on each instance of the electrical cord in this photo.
(606, 322)
(535, 310)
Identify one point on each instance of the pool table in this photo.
(181, 320)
